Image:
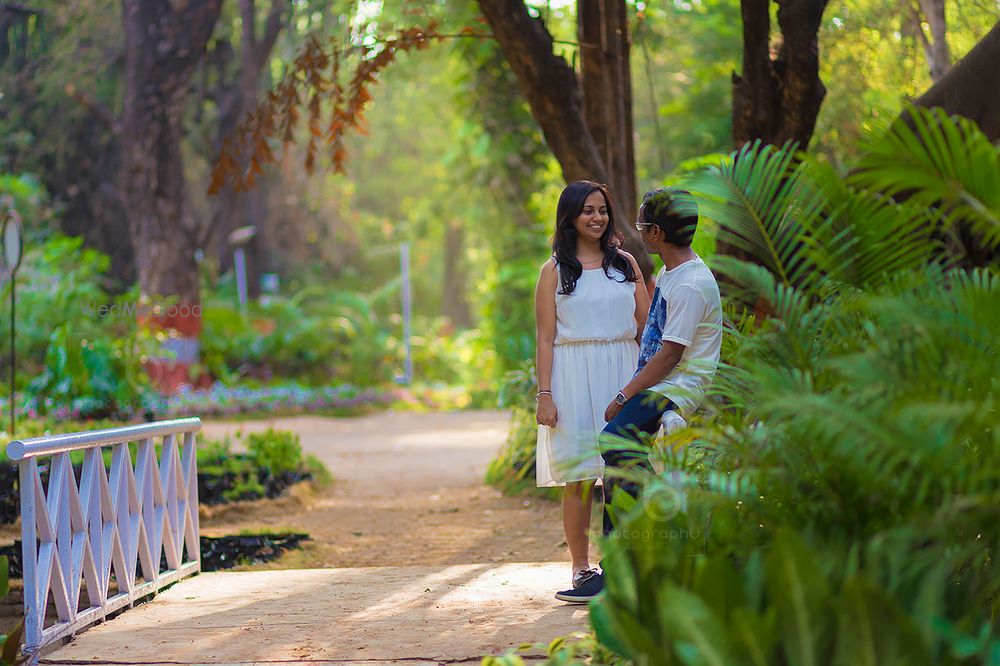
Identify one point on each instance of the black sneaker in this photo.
(585, 591)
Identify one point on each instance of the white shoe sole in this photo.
(573, 600)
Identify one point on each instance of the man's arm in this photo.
(685, 312)
(656, 369)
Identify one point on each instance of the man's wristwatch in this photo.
(620, 399)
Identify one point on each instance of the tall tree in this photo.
(47, 55)
(163, 43)
(553, 92)
(971, 88)
(965, 90)
(936, 47)
(237, 78)
(606, 78)
(778, 95)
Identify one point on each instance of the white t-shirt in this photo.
(686, 309)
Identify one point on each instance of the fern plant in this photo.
(841, 494)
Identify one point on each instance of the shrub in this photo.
(838, 503)
(513, 468)
(278, 451)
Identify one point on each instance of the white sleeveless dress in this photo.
(595, 355)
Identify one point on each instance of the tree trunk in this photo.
(935, 49)
(553, 93)
(607, 93)
(971, 88)
(163, 43)
(454, 287)
(777, 100)
(231, 209)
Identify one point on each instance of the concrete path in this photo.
(422, 562)
(381, 615)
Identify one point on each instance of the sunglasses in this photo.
(640, 225)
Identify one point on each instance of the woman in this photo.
(590, 304)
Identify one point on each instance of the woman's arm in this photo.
(545, 335)
(641, 297)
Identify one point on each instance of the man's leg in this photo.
(622, 446)
(641, 414)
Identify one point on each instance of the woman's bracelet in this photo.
(543, 392)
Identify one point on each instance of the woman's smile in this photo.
(592, 221)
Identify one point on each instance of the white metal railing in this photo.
(79, 531)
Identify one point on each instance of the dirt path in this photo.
(408, 490)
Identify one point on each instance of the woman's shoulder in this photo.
(549, 267)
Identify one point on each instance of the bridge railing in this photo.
(117, 533)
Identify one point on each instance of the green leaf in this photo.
(756, 634)
(608, 630)
(697, 634)
(872, 629)
(12, 644)
(719, 585)
(801, 596)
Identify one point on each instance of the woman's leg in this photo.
(578, 497)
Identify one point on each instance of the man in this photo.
(677, 358)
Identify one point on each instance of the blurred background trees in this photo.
(463, 154)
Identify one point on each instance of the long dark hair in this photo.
(570, 206)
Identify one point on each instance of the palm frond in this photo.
(760, 202)
(940, 161)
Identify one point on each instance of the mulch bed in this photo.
(216, 552)
(212, 488)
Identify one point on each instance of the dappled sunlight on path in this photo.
(452, 613)
(411, 557)
(408, 490)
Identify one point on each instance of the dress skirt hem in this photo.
(586, 376)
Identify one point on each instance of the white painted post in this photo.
(106, 523)
(240, 267)
(404, 272)
(27, 473)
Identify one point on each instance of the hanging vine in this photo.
(314, 78)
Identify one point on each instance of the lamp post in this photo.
(404, 274)
(11, 255)
(239, 238)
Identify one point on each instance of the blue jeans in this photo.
(640, 415)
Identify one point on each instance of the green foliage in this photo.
(837, 503)
(277, 450)
(682, 59)
(576, 648)
(314, 336)
(274, 458)
(321, 336)
(10, 644)
(513, 468)
(877, 43)
(943, 163)
(71, 340)
(29, 198)
(80, 349)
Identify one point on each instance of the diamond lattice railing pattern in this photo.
(118, 533)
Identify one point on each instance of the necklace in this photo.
(591, 261)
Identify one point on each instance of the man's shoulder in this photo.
(690, 274)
